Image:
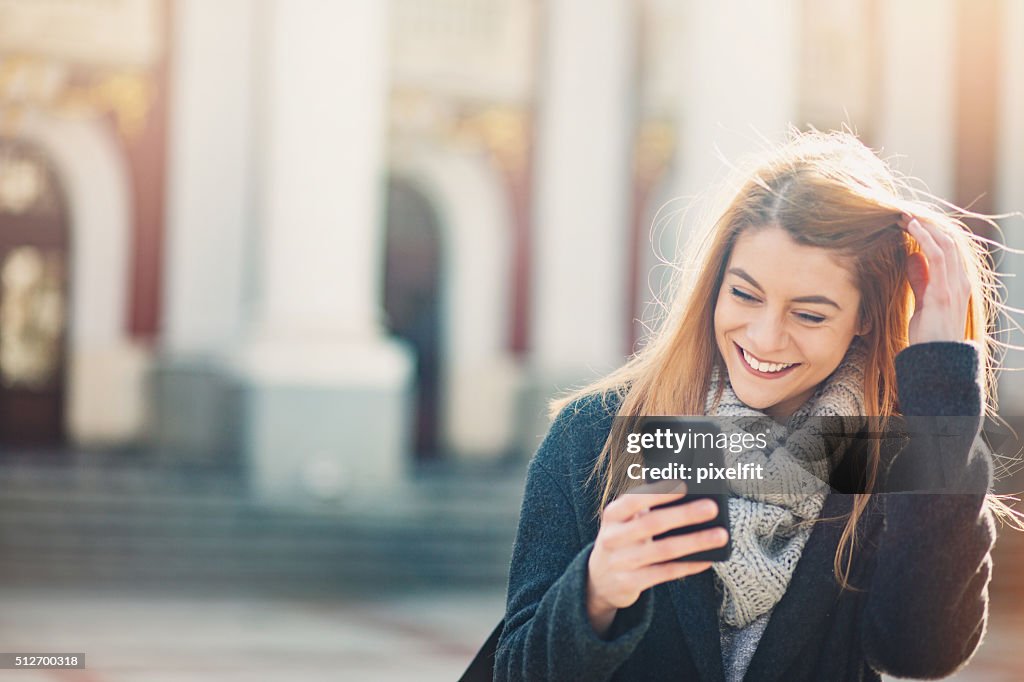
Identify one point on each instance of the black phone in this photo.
(690, 442)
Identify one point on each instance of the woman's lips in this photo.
(759, 373)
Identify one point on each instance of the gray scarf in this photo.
(770, 520)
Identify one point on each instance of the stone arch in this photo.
(480, 380)
(412, 293)
(105, 397)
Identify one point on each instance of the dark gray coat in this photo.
(922, 562)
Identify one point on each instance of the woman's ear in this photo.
(865, 328)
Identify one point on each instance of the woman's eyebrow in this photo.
(740, 272)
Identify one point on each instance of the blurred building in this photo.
(322, 240)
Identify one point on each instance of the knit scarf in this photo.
(770, 521)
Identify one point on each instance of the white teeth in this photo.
(764, 366)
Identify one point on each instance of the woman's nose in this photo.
(769, 335)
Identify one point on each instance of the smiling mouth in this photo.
(767, 370)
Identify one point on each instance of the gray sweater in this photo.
(920, 609)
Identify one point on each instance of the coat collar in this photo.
(800, 613)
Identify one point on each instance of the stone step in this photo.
(147, 528)
(182, 513)
(186, 559)
(141, 491)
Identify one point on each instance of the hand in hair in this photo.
(626, 560)
(939, 281)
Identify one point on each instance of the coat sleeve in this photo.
(547, 634)
(927, 603)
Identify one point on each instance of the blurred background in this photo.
(285, 286)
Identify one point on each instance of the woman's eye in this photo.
(747, 298)
(742, 295)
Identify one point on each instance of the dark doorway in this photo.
(34, 246)
(412, 300)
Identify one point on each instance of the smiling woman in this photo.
(825, 290)
(778, 341)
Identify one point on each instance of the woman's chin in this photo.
(755, 399)
(759, 404)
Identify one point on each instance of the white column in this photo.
(209, 174)
(582, 184)
(327, 402)
(209, 224)
(1010, 192)
(323, 165)
(916, 112)
(580, 250)
(739, 89)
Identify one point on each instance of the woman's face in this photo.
(785, 316)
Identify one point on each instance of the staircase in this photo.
(116, 526)
(84, 525)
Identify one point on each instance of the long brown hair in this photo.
(826, 190)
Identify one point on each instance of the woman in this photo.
(825, 288)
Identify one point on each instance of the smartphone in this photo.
(690, 442)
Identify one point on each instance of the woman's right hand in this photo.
(626, 560)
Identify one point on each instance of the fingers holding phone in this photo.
(629, 556)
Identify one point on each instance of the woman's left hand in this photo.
(939, 281)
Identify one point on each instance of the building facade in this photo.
(324, 241)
